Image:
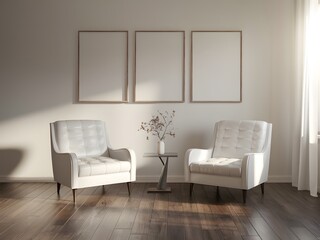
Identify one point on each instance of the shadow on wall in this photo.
(10, 159)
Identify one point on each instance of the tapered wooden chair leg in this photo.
(74, 195)
(191, 189)
(262, 188)
(128, 186)
(58, 187)
(244, 195)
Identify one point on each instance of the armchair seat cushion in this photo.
(230, 167)
(99, 165)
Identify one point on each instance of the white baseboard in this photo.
(141, 178)
(180, 179)
(172, 178)
(279, 179)
(26, 179)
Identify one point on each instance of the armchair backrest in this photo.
(235, 138)
(82, 137)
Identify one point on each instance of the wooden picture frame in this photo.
(216, 67)
(103, 66)
(159, 67)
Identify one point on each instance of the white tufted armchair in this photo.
(82, 156)
(239, 158)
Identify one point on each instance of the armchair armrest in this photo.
(122, 154)
(65, 168)
(125, 154)
(195, 155)
(255, 167)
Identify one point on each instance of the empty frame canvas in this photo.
(159, 66)
(216, 66)
(103, 66)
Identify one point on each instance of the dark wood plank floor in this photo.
(34, 211)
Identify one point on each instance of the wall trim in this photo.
(279, 179)
(26, 179)
(180, 178)
(140, 178)
(171, 178)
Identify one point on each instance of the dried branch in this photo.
(160, 125)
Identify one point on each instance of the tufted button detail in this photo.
(90, 166)
(218, 166)
(235, 138)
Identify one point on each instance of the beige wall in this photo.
(38, 77)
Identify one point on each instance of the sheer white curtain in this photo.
(305, 97)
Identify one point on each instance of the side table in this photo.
(162, 184)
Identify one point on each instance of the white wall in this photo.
(38, 77)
